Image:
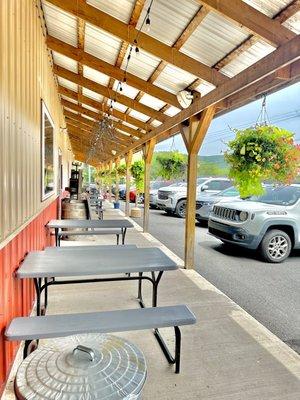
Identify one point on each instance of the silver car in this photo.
(205, 203)
(269, 223)
(154, 186)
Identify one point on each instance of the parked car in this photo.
(269, 223)
(205, 202)
(154, 186)
(172, 199)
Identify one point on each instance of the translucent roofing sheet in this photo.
(95, 75)
(142, 65)
(268, 7)
(168, 18)
(127, 90)
(69, 85)
(101, 44)
(92, 95)
(139, 115)
(68, 99)
(60, 24)
(214, 37)
(120, 9)
(174, 79)
(151, 101)
(65, 62)
(293, 23)
(247, 58)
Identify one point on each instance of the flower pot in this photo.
(116, 205)
(135, 212)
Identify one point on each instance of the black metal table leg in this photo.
(123, 235)
(56, 236)
(37, 285)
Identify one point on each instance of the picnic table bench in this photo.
(97, 227)
(53, 326)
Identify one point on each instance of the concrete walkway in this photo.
(227, 355)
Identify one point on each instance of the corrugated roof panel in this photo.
(120, 9)
(89, 108)
(92, 95)
(248, 57)
(151, 101)
(205, 88)
(139, 115)
(171, 111)
(127, 90)
(174, 79)
(268, 7)
(168, 18)
(129, 125)
(60, 24)
(72, 111)
(69, 99)
(156, 123)
(118, 106)
(141, 65)
(95, 75)
(101, 44)
(293, 23)
(213, 39)
(69, 85)
(65, 62)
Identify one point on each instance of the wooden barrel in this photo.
(73, 210)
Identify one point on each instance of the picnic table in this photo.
(45, 267)
(102, 227)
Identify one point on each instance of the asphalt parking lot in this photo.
(269, 292)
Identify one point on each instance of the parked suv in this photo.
(270, 223)
(172, 199)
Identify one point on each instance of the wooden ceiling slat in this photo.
(255, 21)
(128, 34)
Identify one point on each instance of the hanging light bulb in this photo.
(120, 86)
(137, 50)
(148, 23)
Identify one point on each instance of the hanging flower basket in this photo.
(262, 153)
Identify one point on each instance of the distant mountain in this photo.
(217, 159)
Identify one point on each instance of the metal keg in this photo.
(91, 366)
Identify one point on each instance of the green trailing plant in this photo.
(137, 172)
(122, 170)
(262, 153)
(171, 165)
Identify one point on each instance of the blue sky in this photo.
(283, 108)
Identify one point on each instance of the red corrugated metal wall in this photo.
(16, 297)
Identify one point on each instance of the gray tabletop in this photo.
(87, 223)
(43, 264)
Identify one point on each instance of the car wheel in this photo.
(202, 222)
(276, 246)
(180, 208)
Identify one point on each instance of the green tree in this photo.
(206, 168)
(122, 172)
(171, 165)
(137, 172)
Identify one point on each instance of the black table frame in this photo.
(123, 231)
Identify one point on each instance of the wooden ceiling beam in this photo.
(102, 108)
(128, 34)
(106, 92)
(110, 70)
(286, 54)
(253, 20)
(97, 117)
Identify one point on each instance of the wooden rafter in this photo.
(80, 45)
(109, 93)
(128, 34)
(256, 22)
(102, 108)
(99, 65)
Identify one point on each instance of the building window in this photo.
(47, 143)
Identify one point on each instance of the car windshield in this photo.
(200, 181)
(230, 192)
(284, 196)
(158, 184)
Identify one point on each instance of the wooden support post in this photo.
(193, 136)
(110, 182)
(128, 161)
(148, 153)
(117, 163)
